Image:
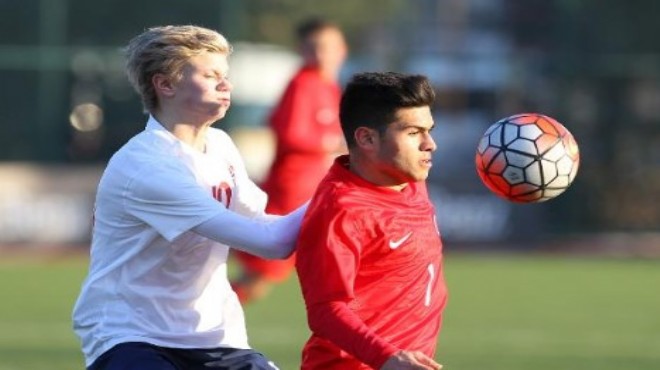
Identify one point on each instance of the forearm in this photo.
(270, 237)
(335, 322)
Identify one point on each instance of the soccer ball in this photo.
(527, 158)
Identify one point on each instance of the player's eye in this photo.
(216, 76)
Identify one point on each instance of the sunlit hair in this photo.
(372, 99)
(165, 50)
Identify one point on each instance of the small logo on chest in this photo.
(396, 243)
(222, 193)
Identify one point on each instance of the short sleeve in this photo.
(328, 253)
(170, 200)
(248, 200)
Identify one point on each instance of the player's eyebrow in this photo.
(405, 126)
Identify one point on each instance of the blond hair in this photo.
(165, 50)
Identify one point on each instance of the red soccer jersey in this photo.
(306, 116)
(304, 121)
(370, 266)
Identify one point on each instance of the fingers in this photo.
(411, 360)
(427, 361)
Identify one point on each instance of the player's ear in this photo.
(365, 137)
(162, 84)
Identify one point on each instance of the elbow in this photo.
(278, 253)
(315, 325)
(278, 250)
(283, 247)
(321, 318)
(288, 252)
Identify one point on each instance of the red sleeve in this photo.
(328, 255)
(335, 322)
(294, 120)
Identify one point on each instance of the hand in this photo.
(410, 360)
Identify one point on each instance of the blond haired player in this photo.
(169, 203)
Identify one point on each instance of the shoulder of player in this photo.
(146, 169)
(145, 158)
(304, 78)
(337, 197)
(218, 134)
(221, 144)
(145, 147)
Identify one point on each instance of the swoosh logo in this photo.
(394, 244)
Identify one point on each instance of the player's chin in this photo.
(426, 164)
(221, 112)
(420, 175)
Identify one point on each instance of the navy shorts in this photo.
(145, 356)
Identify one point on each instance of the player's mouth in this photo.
(426, 163)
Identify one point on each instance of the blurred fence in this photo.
(65, 105)
(46, 205)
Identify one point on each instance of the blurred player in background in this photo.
(369, 255)
(168, 204)
(308, 137)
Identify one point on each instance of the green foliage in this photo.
(504, 312)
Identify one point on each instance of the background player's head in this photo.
(165, 51)
(386, 119)
(322, 45)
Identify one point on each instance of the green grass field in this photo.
(505, 313)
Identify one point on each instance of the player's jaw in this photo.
(420, 169)
(426, 163)
(222, 105)
(409, 168)
(415, 162)
(210, 109)
(216, 100)
(418, 159)
(224, 101)
(404, 162)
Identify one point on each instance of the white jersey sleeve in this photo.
(168, 199)
(267, 237)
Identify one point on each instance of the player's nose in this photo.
(225, 85)
(428, 144)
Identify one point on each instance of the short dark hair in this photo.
(311, 26)
(371, 99)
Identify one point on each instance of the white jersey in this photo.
(151, 279)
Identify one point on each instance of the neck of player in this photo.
(366, 170)
(191, 132)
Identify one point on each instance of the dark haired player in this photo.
(369, 253)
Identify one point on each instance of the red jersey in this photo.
(306, 117)
(370, 266)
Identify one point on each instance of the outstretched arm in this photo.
(270, 237)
